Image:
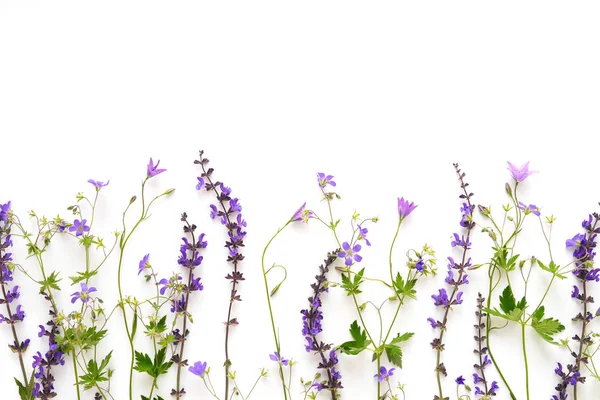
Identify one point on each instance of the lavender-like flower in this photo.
(480, 381)
(231, 218)
(311, 328)
(189, 259)
(521, 173)
(13, 316)
(443, 299)
(583, 246)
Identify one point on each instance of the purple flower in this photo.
(12, 294)
(577, 240)
(404, 207)
(153, 170)
(199, 368)
(521, 173)
(200, 184)
(144, 263)
(97, 184)
(214, 212)
(79, 227)
(384, 374)
(362, 235)
(178, 306)
(575, 292)
(225, 190)
(4, 211)
(171, 283)
(593, 275)
(432, 322)
(84, 294)
(275, 357)
(325, 180)
(460, 241)
(460, 380)
(303, 214)
(532, 208)
(350, 254)
(234, 205)
(441, 299)
(420, 265)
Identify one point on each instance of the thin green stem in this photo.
(378, 382)
(76, 375)
(525, 359)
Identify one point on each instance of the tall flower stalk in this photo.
(312, 327)
(9, 295)
(461, 241)
(228, 212)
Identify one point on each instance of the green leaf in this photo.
(403, 338)
(359, 343)
(143, 363)
(514, 315)
(82, 276)
(405, 288)
(351, 285)
(538, 314)
(394, 354)
(552, 268)
(135, 323)
(547, 327)
(26, 390)
(51, 282)
(95, 373)
(507, 300)
(522, 303)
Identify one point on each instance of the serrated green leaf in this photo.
(547, 328)
(507, 300)
(538, 314)
(359, 343)
(394, 354)
(522, 303)
(402, 338)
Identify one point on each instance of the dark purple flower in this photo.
(214, 213)
(179, 306)
(350, 254)
(144, 263)
(420, 265)
(79, 227)
(460, 241)
(84, 294)
(199, 368)
(441, 299)
(325, 180)
(303, 214)
(12, 294)
(460, 380)
(225, 190)
(521, 173)
(593, 275)
(575, 292)
(4, 211)
(404, 207)
(235, 205)
(275, 357)
(153, 170)
(97, 184)
(384, 374)
(200, 184)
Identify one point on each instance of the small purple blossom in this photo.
(144, 263)
(97, 184)
(84, 294)
(200, 183)
(384, 374)
(532, 208)
(325, 180)
(153, 170)
(404, 207)
(199, 368)
(521, 173)
(441, 299)
(432, 322)
(350, 254)
(460, 380)
(214, 212)
(362, 234)
(275, 357)
(303, 214)
(170, 283)
(79, 227)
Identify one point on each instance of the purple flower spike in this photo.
(144, 263)
(4, 210)
(84, 295)
(79, 227)
(275, 357)
(153, 170)
(384, 374)
(521, 173)
(97, 184)
(199, 368)
(325, 180)
(404, 207)
(350, 254)
(303, 215)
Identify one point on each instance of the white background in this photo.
(384, 95)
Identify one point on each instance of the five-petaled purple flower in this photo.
(97, 184)
(303, 214)
(84, 295)
(144, 263)
(275, 357)
(325, 180)
(350, 254)
(521, 173)
(79, 227)
(199, 368)
(404, 207)
(460, 380)
(153, 170)
(384, 374)
(532, 208)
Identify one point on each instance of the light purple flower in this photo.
(79, 227)
(521, 173)
(97, 184)
(384, 374)
(200, 184)
(84, 295)
(214, 212)
(275, 357)
(303, 214)
(4, 210)
(362, 234)
(350, 254)
(153, 170)
(325, 180)
(199, 368)
(532, 208)
(404, 207)
(144, 263)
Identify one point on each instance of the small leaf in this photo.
(507, 300)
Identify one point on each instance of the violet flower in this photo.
(325, 180)
(153, 170)
(198, 369)
(521, 173)
(312, 327)
(404, 207)
(79, 227)
(84, 294)
(303, 215)
(384, 374)
(144, 263)
(480, 381)
(277, 358)
(350, 253)
(97, 184)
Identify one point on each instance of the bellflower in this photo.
(302, 215)
(404, 207)
(144, 263)
(521, 173)
(198, 369)
(325, 180)
(153, 170)
(97, 184)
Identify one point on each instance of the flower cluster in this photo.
(583, 246)
(312, 327)
(457, 275)
(479, 379)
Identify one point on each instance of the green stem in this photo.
(400, 301)
(525, 359)
(267, 292)
(378, 383)
(76, 375)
